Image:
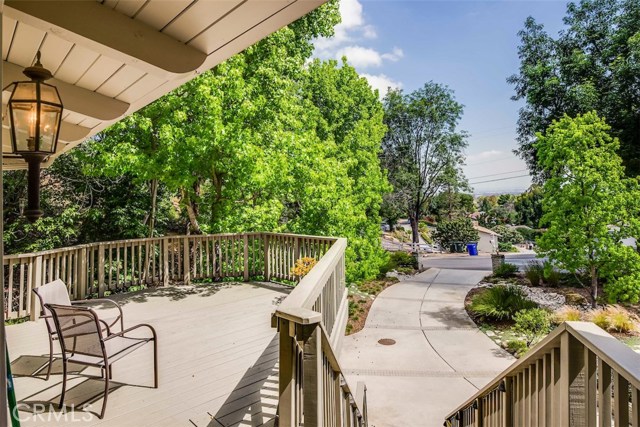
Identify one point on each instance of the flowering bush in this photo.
(303, 266)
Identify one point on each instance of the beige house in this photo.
(488, 241)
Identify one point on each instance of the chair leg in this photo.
(155, 364)
(64, 382)
(106, 390)
(50, 358)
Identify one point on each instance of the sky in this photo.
(470, 46)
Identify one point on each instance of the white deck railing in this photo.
(311, 320)
(579, 375)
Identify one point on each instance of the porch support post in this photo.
(4, 402)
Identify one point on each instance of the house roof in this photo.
(110, 58)
(481, 229)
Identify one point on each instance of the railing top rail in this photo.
(127, 241)
(306, 292)
(614, 353)
(303, 236)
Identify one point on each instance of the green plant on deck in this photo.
(500, 302)
(533, 323)
(506, 270)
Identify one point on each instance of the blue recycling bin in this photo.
(472, 248)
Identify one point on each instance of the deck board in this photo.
(217, 363)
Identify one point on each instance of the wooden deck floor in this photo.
(217, 364)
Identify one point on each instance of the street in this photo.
(480, 262)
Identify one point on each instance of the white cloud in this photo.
(351, 13)
(395, 55)
(347, 42)
(360, 57)
(382, 82)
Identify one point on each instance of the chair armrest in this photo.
(141, 325)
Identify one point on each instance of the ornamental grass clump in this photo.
(567, 314)
(500, 302)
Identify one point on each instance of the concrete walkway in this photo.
(439, 358)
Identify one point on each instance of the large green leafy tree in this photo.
(594, 64)
(589, 206)
(528, 207)
(422, 145)
(459, 230)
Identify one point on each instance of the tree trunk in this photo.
(415, 234)
(192, 213)
(594, 285)
(154, 198)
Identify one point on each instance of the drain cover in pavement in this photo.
(386, 341)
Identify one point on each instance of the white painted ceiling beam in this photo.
(74, 98)
(103, 30)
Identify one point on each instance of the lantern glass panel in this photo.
(49, 93)
(24, 125)
(49, 119)
(24, 91)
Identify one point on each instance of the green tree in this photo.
(422, 146)
(508, 235)
(588, 204)
(528, 207)
(457, 230)
(594, 64)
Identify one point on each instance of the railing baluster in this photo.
(621, 399)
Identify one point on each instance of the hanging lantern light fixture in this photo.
(35, 114)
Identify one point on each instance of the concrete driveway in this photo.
(439, 357)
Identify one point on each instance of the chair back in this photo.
(52, 293)
(79, 330)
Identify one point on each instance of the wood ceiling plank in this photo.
(89, 122)
(129, 7)
(76, 64)
(158, 13)
(54, 50)
(198, 17)
(119, 81)
(8, 27)
(140, 88)
(246, 16)
(110, 33)
(26, 43)
(99, 72)
(74, 118)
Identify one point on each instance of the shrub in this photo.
(567, 314)
(500, 302)
(508, 235)
(303, 266)
(403, 259)
(506, 247)
(517, 347)
(534, 272)
(533, 323)
(506, 270)
(551, 275)
(623, 289)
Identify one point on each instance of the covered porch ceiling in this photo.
(110, 58)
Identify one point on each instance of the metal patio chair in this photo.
(56, 293)
(82, 341)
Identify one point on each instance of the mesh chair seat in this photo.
(116, 348)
